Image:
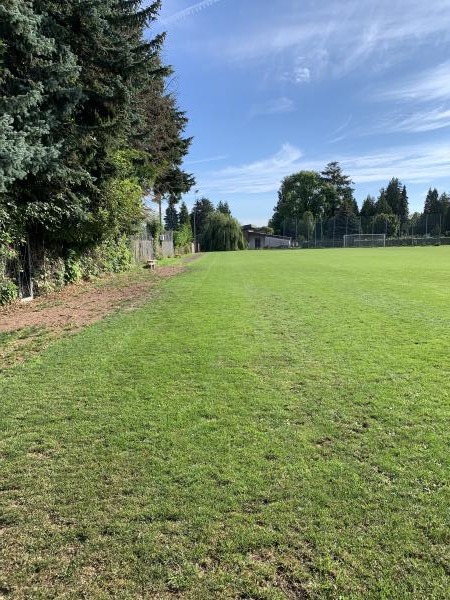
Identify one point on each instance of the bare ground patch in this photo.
(27, 328)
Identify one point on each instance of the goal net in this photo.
(364, 240)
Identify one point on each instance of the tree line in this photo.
(211, 228)
(309, 197)
(88, 129)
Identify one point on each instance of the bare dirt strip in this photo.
(28, 327)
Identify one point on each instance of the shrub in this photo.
(73, 270)
(8, 291)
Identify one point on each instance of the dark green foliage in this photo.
(202, 208)
(385, 223)
(340, 183)
(183, 215)
(393, 195)
(368, 208)
(383, 207)
(171, 220)
(222, 233)
(39, 91)
(403, 210)
(432, 203)
(223, 208)
(86, 125)
(164, 143)
(325, 195)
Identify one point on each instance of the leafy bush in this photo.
(183, 238)
(73, 271)
(8, 291)
(49, 276)
(114, 255)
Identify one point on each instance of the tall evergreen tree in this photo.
(171, 219)
(368, 208)
(223, 208)
(403, 210)
(38, 94)
(432, 204)
(342, 184)
(184, 214)
(382, 206)
(202, 208)
(393, 195)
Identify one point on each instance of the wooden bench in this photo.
(151, 264)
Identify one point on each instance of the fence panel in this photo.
(143, 250)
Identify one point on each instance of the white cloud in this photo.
(419, 121)
(205, 160)
(412, 164)
(433, 84)
(188, 12)
(273, 107)
(301, 74)
(335, 37)
(257, 177)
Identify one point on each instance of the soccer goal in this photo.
(364, 240)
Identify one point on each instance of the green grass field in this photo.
(274, 425)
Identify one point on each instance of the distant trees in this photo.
(213, 228)
(308, 196)
(312, 204)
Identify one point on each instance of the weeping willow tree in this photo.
(222, 232)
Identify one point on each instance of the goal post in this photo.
(365, 240)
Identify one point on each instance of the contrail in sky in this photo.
(189, 11)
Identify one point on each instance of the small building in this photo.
(258, 238)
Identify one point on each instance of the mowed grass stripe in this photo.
(274, 425)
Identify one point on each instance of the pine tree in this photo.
(171, 219)
(223, 208)
(342, 184)
(368, 208)
(164, 143)
(432, 204)
(202, 208)
(38, 87)
(403, 210)
(184, 215)
(382, 206)
(393, 195)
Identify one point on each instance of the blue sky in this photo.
(275, 86)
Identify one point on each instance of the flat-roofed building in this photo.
(258, 238)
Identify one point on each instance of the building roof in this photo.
(259, 231)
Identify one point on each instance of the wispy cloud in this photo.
(338, 36)
(417, 122)
(257, 177)
(412, 164)
(339, 133)
(188, 12)
(273, 107)
(432, 84)
(206, 160)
